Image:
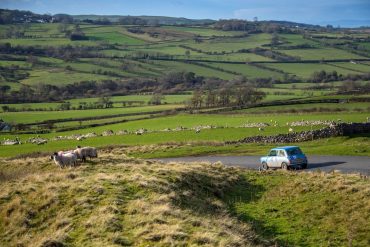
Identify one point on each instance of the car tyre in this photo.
(284, 166)
(265, 166)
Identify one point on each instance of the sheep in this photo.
(260, 129)
(197, 130)
(80, 138)
(63, 159)
(83, 153)
(290, 130)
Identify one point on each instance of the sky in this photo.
(345, 13)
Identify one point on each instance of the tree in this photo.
(62, 27)
(197, 100)
(187, 53)
(5, 108)
(65, 106)
(4, 89)
(156, 99)
(105, 101)
(211, 98)
(274, 40)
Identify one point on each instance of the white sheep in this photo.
(63, 159)
(85, 152)
(290, 130)
(261, 129)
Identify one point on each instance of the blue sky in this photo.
(336, 12)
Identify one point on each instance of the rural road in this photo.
(346, 164)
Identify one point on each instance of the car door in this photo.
(281, 157)
(271, 160)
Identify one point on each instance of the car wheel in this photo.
(265, 166)
(284, 166)
(304, 166)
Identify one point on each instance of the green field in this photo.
(306, 70)
(249, 71)
(38, 116)
(321, 54)
(229, 45)
(226, 130)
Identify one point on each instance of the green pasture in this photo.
(55, 76)
(295, 39)
(47, 42)
(21, 64)
(206, 32)
(38, 116)
(233, 45)
(358, 106)
(228, 132)
(321, 54)
(199, 70)
(354, 67)
(306, 70)
(111, 34)
(247, 70)
(117, 101)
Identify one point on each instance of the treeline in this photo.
(251, 26)
(66, 52)
(12, 73)
(20, 16)
(169, 83)
(226, 96)
(323, 76)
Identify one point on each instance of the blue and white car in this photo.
(285, 158)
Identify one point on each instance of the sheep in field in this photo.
(291, 130)
(64, 159)
(83, 153)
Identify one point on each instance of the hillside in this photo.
(120, 201)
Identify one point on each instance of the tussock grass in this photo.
(306, 209)
(119, 201)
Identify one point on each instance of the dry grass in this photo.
(118, 201)
(121, 201)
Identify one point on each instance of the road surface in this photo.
(346, 164)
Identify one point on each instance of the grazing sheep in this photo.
(291, 130)
(64, 159)
(83, 153)
(80, 138)
(42, 142)
(261, 129)
(197, 131)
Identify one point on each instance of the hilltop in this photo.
(120, 201)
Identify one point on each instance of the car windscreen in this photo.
(294, 151)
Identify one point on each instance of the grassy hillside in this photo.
(124, 51)
(120, 201)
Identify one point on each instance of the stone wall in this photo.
(343, 129)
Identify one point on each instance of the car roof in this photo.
(285, 148)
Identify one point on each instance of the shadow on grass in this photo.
(197, 190)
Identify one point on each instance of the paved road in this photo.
(346, 164)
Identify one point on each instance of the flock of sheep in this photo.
(70, 158)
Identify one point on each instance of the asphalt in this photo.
(345, 164)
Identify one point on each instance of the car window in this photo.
(281, 153)
(272, 153)
(294, 151)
